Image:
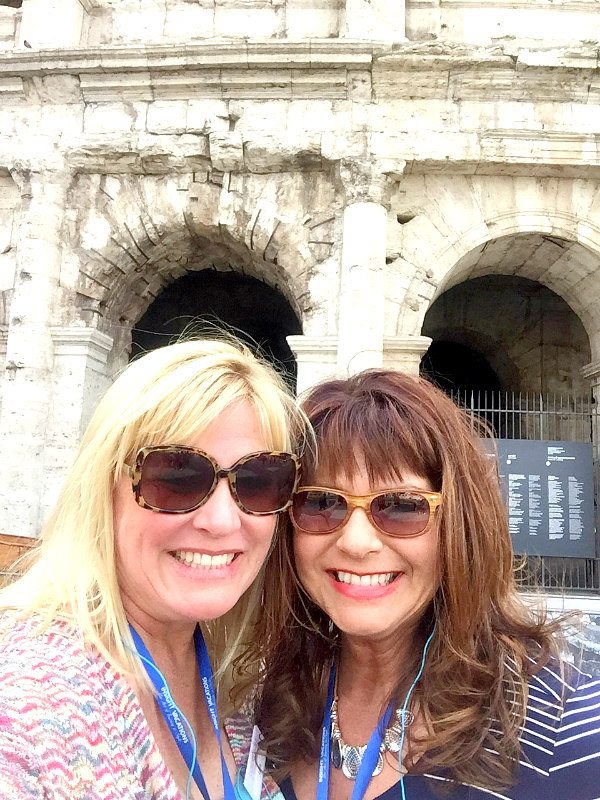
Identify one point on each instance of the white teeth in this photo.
(377, 579)
(194, 559)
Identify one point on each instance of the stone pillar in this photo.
(315, 358)
(27, 380)
(362, 295)
(79, 379)
(46, 24)
(381, 20)
(404, 353)
(3, 338)
(591, 372)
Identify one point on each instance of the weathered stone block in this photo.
(189, 21)
(206, 116)
(134, 22)
(226, 150)
(309, 19)
(62, 121)
(260, 22)
(108, 118)
(167, 117)
(58, 89)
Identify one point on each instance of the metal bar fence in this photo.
(549, 417)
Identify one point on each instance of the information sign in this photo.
(549, 492)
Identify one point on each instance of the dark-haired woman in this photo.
(402, 660)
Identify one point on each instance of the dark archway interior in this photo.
(454, 366)
(254, 311)
(466, 376)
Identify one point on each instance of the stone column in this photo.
(381, 20)
(362, 296)
(47, 24)
(591, 372)
(79, 379)
(28, 364)
(316, 358)
(3, 338)
(404, 353)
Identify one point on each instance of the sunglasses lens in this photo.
(175, 480)
(318, 511)
(400, 514)
(264, 483)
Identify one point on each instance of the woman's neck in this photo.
(369, 670)
(171, 644)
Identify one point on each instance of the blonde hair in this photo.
(169, 395)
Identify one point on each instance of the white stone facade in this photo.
(362, 158)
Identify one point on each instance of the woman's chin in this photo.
(205, 606)
(366, 628)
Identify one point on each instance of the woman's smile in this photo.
(366, 586)
(195, 559)
(194, 565)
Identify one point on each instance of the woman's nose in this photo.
(219, 515)
(359, 537)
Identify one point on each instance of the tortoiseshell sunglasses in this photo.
(174, 479)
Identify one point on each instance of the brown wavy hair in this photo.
(487, 643)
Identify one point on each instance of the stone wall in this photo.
(499, 21)
(91, 23)
(363, 174)
(306, 144)
(9, 24)
(131, 21)
(10, 199)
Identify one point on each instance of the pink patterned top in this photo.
(71, 728)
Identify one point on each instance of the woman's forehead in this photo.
(348, 468)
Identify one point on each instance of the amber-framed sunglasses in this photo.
(395, 512)
(174, 479)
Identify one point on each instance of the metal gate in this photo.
(513, 415)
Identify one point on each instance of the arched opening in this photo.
(257, 313)
(519, 336)
(453, 366)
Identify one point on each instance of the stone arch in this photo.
(527, 333)
(447, 223)
(141, 233)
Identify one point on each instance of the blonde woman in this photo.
(165, 520)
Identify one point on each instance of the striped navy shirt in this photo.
(560, 757)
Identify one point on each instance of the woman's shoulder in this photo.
(48, 666)
(563, 723)
(29, 639)
(559, 684)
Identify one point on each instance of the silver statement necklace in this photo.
(348, 758)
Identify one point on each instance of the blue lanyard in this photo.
(369, 759)
(371, 755)
(173, 716)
